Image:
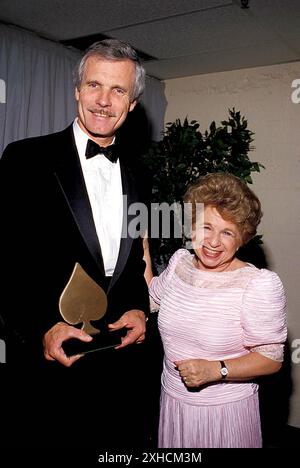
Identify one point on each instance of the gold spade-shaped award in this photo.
(82, 300)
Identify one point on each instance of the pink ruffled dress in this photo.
(214, 316)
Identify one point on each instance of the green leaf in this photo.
(184, 154)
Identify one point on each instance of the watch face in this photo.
(224, 371)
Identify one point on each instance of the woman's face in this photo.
(218, 241)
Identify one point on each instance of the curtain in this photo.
(39, 87)
(37, 90)
(155, 103)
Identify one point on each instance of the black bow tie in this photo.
(92, 149)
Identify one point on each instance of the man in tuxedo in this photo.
(61, 203)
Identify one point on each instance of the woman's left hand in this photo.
(196, 372)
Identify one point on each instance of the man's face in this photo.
(104, 97)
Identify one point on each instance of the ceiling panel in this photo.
(64, 19)
(281, 16)
(186, 37)
(293, 41)
(233, 59)
(192, 33)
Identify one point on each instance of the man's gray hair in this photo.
(113, 49)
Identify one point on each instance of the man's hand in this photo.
(54, 338)
(196, 372)
(135, 322)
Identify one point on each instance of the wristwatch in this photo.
(223, 370)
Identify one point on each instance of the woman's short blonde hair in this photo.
(232, 198)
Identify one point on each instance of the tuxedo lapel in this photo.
(69, 176)
(129, 196)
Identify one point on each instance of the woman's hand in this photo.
(196, 372)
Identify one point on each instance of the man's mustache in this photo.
(103, 112)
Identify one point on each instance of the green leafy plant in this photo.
(184, 154)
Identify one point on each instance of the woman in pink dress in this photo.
(222, 323)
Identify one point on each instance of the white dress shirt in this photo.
(104, 188)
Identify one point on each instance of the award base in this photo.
(101, 341)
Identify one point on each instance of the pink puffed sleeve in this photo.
(264, 311)
(158, 283)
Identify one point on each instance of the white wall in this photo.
(263, 95)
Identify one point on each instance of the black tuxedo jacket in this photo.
(47, 226)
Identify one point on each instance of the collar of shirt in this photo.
(81, 139)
